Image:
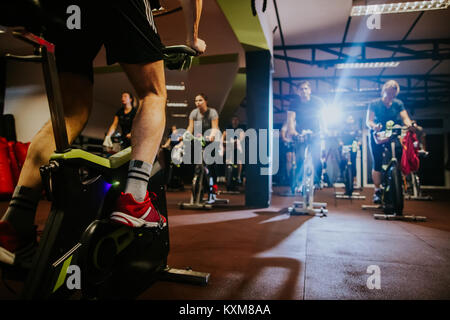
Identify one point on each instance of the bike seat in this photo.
(113, 162)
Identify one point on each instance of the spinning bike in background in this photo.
(292, 173)
(392, 192)
(232, 181)
(307, 206)
(202, 182)
(174, 175)
(413, 190)
(114, 261)
(347, 172)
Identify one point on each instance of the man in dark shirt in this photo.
(380, 111)
(308, 117)
(350, 134)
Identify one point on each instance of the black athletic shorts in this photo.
(125, 27)
(376, 150)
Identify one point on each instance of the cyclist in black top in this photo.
(238, 147)
(124, 119)
(379, 112)
(307, 108)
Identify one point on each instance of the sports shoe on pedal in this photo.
(137, 214)
(377, 197)
(11, 245)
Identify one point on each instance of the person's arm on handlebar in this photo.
(406, 120)
(370, 123)
(113, 126)
(190, 127)
(192, 10)
(167, 144)
(215, 129)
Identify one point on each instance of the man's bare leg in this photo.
(150, 120)
(77, 101)
(376, 177)
(148, 125)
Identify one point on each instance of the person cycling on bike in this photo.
(307, 108)
(350, 134)
(173, 138)
(204, 120)
(288, 134)
(124, 119)
(379, 112)
(127, 30)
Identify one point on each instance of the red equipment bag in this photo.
(15, 170)
(6, 177)
(21, 149)
(410, 159)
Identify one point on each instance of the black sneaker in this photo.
(377, 197)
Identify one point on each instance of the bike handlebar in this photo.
(183, 49)
(390, 133)
(179, 57)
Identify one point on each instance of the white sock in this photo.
(138, 176)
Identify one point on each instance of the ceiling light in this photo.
(174, 87)
(399, 7)
(177, 104)
(367, 65)
(179, 115)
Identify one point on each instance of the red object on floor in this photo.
(9, 239)
(410, 160)
(6, 177)
(15, 170)
(21, 149)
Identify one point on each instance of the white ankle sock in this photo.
(138, 176)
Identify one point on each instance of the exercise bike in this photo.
(413, 190)
(290, 147)
(307, 206)
(174, 175)
(79, 241)
(347, 173)
(202, 182)
(392, 199)
(232, 179)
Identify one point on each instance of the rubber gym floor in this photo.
(268, 254)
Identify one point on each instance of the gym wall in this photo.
(25, 98)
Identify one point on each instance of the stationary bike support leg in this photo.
(308, 206)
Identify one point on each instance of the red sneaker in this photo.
(137, 214)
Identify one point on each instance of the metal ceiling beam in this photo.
(282, 36)
(344, 37)
(404, 38)
(436, 51)
(373, 44)
(429, 77)
(432, 88)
